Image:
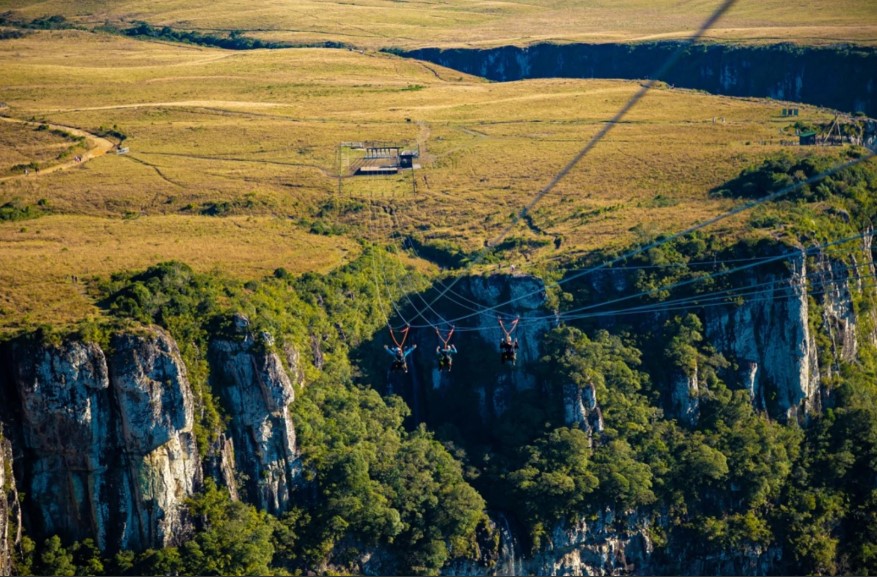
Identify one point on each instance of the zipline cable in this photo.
(573, 314)
(661, 71)
(733, 212)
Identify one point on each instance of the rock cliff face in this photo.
(602, 546)
(796, 324)
(155, 415)
(106, 441)
(257, 391)
(108, 450)
(580, 408)
(769, 336)
(598, 547)
(10, 514)
(773, 337)
(685, 397)
(783, 71)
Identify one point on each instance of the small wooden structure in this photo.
(376, 170)
(807, 138)
(377, 158)
(406, 158)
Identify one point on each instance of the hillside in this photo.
(478, 23)
(209, 242)
(225, 141)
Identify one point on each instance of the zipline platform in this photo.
(376, 158)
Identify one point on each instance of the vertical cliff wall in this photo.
(107, 448)
(10, 513)
(838, 77)
(256, 391)
(773, 336)
(105, 436)
(480, 387)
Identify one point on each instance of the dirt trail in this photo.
(173, 104)
(97, 146)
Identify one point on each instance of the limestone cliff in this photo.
(781, 71)
(10, 512)
(773, 336)
(107, 448)
(256, 391)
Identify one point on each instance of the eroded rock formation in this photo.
(257, 391)
(109, 451)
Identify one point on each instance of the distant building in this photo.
(380, 158)
(406, 159)
(807, 138)
(376, 170)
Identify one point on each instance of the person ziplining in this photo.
(445, 351)
(399, 352)
(508, 347)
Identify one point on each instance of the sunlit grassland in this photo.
(218, 137)
(382, 23)
(45, 263)
(22, 144)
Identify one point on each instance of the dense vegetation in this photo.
(735, 483)
(371, 482)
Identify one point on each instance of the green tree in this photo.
(624, 482)
(556, 479)
(439, 510)
(233, 538)
(55, 559)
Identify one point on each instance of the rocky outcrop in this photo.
(66, 427)
(599, 547)
(155, 416)
(773, 338)
(782, 71)
(685, 397)
(108, 447)
(580, 408)
(256, 391)
(10, 512)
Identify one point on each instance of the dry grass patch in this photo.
(24, 144)
(45, 262)
(382, 23)
(256, 134)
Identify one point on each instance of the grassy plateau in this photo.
(234, 162)
(418, 23)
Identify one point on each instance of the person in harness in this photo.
(508, 347)
(399, 355)
(399, 352)
(445, 360)
(445, 351)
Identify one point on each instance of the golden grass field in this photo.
(418, 23)
(252, 138)
(45, 263)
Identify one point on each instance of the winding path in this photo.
(97, 146)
